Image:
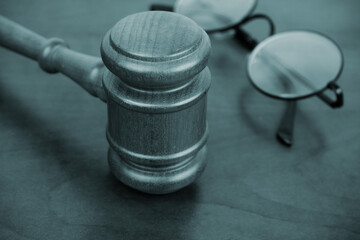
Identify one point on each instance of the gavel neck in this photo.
(85, 70)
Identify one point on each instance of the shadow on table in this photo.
(315, 140)
(83, 200)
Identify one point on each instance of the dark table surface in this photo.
(55, 182)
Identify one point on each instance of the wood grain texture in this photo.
(160, 147)
(156, 90)
(55, 182)
(156, 50)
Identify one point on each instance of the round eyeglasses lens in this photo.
(295, 64)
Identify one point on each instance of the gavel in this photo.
(153, 75)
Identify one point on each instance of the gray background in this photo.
(54, 178)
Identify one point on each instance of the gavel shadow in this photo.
(35, 129)
(315, 141)
(83, 194)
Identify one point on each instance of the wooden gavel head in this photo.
(156, 86)
(154, 81)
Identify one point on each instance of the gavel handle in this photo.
(53, 55)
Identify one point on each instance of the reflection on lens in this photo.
(214, 14)
(295, 64)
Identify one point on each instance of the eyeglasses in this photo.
(295, 65)
(288, 66)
